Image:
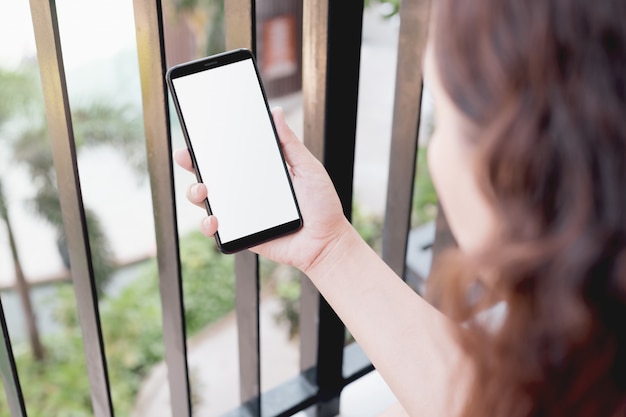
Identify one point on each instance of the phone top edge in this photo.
(211, 61)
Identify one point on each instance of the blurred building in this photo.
(279, 45)
(197, 30)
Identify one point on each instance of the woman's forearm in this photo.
(410, 343)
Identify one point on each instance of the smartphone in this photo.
(230, 134)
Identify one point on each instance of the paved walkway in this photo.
(214, 368)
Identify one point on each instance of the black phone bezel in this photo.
(206, 64)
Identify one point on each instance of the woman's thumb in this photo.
(294, 150)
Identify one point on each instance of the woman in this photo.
(528, 159)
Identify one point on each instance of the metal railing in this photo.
(330, 83)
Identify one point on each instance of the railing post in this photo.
(405, 131)
(59, 120)
(240, 16)
(331, 63)
(314, 62)
(152, 68)
(8, 372)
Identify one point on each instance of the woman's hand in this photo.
(323, 219)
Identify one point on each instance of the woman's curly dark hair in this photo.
(544, 83)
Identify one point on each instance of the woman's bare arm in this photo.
(395, 410)
(409, 342)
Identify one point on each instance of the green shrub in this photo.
(132, 331)
(424, 194)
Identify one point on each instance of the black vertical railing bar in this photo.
(355, 363)
(345, 24)
(152, 68)
(61, 133)
(300, 393)
(8, 371)
(331, 56)
(405, 131)
(240, 25)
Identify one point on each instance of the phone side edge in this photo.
(181, 119)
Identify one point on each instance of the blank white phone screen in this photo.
(236, 152)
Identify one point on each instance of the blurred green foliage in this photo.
(424, 207)
(394, 6)
(132, 331)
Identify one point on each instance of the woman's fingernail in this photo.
(279, 112)
(206, 223)
(195, 192)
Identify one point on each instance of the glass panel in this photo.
(374, 122)
(9, 381)
(279, 321)
(279, 27)
(105, 98)
(424, 205)
(193, 30)
(53, 376)
(279, 46)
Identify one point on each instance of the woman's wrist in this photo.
(333, 252)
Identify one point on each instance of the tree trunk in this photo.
(23, 289)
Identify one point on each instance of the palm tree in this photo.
(16, 93)
(95, 125)
(206, 20)
(99, 124)
(21, 283)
